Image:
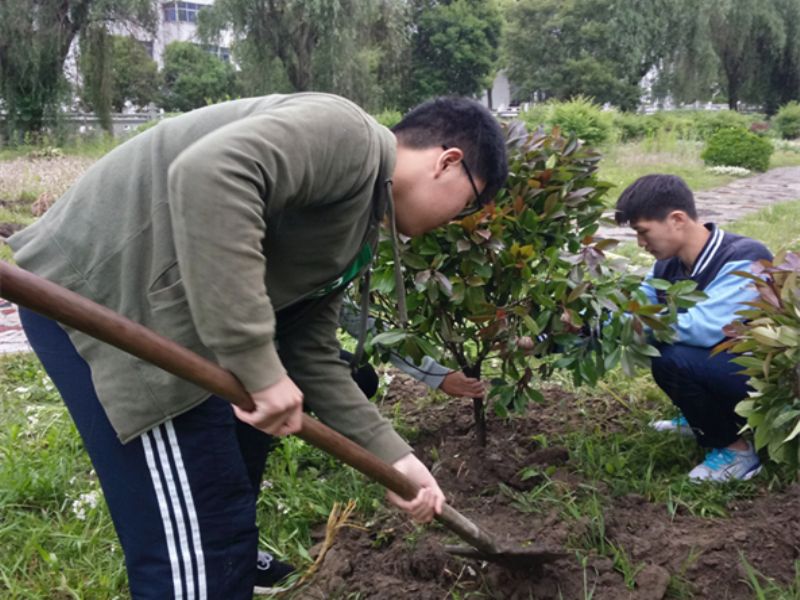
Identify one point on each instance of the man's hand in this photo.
(279, 408)
(430, 498)
(458, 385)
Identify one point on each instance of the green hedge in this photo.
(738, 148)
(579, 116)
(787, 121)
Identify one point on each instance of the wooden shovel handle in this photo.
(71, 309)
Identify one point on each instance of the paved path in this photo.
(721, 205)
(735, 200)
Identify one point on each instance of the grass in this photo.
(622, 164)
(58, 539)
(92, 147)
(778, 226)
(765, 588)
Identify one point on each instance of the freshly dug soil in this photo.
(394, 560)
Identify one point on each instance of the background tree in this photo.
(595, 48)
(377, 42)
(35, 38)
(115, 69)
(455, 47)
(95, 63)
(737, 46)
(193, 78)
(357, 49)
(134, 74)
(287, 30)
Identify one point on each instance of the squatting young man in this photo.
(661, 209)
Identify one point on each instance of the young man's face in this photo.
(662, 239)
(438, 192)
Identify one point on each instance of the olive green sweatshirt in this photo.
(206, 226)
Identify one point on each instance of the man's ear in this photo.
(678, 218)
(450, 158)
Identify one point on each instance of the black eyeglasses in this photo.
(477, 202)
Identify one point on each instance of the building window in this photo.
(185, 12)
(148, 46)
(219, 52)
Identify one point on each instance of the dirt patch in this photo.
(8, 229)
(393, 559)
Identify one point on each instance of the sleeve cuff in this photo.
(257, 368)
(388, 445)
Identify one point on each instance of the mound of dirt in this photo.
(392, 559)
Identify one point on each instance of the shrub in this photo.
(388, 118)
(738, 148)
(528, 264)
(193, 78)
(537, 116)
(583, 118)
(631, 127)
(706, 123)
(787, 120)
(579, 117)
(769, 340)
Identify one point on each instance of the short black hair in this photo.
(652, 198)
(460, 123)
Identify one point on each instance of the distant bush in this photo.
(631, 126)
(583, 118)
(579, 117)
(787, 120)
(738, 148)
(683, 124)
(706, 123)
(388, 118)
(537, 116)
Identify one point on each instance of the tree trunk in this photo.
(478, 407)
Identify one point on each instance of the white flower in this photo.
(85, 501)
(724, 170)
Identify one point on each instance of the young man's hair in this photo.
(652, 198)
(460, 123)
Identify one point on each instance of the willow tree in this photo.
(736, 46)
(35, 38)
(357, 49)
(596, 48)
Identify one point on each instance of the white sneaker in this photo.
(678, 424)
(724, 464)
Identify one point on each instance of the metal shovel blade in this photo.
(519, 558)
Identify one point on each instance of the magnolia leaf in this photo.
(766, 336)
(389, 338)
(659, 284)
(578, 292)
(444, 283)
(795, 432)
(414, 261)
(648, 350)
(745, 407)
(422, 278)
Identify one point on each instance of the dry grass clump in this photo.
(24, 180)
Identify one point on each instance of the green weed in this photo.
(766, 588)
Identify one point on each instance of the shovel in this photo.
(67, 307)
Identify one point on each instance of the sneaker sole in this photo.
(746, 477)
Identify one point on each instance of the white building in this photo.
(175, 22)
